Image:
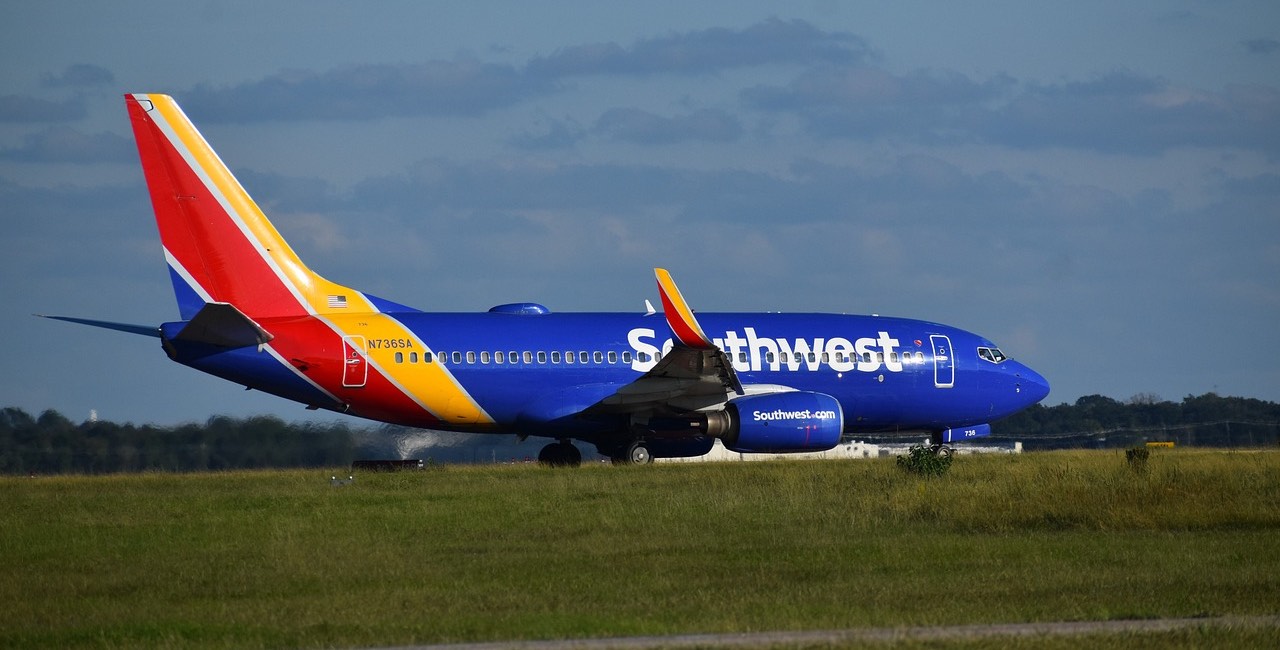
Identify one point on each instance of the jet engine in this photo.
(778, 423)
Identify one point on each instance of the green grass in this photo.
(284, 559)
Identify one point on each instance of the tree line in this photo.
(52, 444)
(1207, 420)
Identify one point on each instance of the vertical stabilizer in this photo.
(219, 245)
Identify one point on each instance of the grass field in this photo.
(285, 559)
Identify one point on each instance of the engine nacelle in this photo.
(779, 423)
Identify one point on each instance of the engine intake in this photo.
(778, 423)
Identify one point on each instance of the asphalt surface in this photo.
(869, 635)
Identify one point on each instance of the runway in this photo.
(869, 635)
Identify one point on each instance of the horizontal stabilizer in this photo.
(221, 324)
(145, 330)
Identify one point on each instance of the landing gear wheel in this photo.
(638, 454)
(945, 451)
(560, 454)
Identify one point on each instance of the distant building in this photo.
(849, 449)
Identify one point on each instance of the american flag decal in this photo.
(337, 302)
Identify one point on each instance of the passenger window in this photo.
(768, 357)
(626, 356)
(457, 357)
(742, 357)
(484, 357)
(528, 357)
(542, 356)
(826, 357)
(413, 357)
(598, 357)
(499, 357)
(880, 357)
(555, 356)
(919, 357)
(613, 356)
(444, 357)
(643, 357)
(471, 357)
(426, 357)
(399, 357)
(582, 356)
(893, 357)
(569, 356)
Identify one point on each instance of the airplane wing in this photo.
(694, 374)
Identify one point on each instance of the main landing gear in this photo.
(564, 454)
(635, 453)
(560, 454)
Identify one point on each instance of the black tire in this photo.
(572, 457)
(560, 454)
(638, 454)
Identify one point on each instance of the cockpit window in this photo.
(994, 355)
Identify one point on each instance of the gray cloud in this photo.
(32, 110)
(63, 144)
(78, 76)
(458, 87)
(1117, 112)
(706, 51)
(467, 86)
(1261, 45)
(642, 127)
(559, 134)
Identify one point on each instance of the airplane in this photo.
(637, 386)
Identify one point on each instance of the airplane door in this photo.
(944, 367)
(355, 367)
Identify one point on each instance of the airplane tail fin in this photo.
(219, 245)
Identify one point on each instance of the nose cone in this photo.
(1032, 386)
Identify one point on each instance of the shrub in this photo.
(1137, 458)
(923, 460)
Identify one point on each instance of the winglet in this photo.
(679, 315)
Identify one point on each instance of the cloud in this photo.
(78, 76)
(1261, 45)
(1119, 112)
(27, 110)
(558, 134)
(63, 144)
(642, 127)
(462, 86)
(772, 41)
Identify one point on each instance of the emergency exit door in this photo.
(355, 367)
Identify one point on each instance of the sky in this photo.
(1095, 186)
